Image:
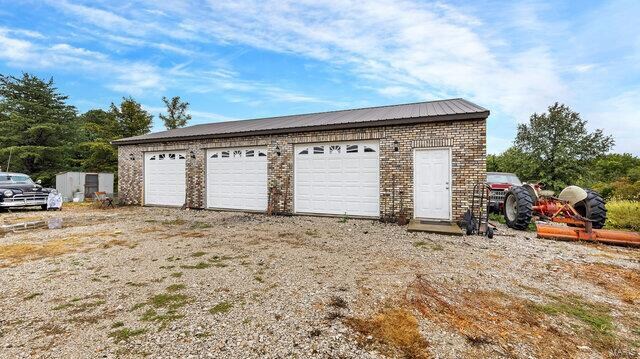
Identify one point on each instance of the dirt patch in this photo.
(394, 331)
(493, 322)
(15, 253)
(623, 282)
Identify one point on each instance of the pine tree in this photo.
(37, 126)
(132, 119)
(177, 115)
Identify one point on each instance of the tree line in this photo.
(42, 135)
(557, 149)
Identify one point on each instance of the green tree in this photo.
(38, 127)
(515, 161)
(560, 146)
(131, 118)
(94, 152)
(177, 115)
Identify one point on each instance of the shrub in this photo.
(623, 214)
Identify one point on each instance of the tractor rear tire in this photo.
(518, 208)
(593, 208)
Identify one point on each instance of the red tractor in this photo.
(582, 210)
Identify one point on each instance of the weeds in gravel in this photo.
(432, 246)
(117, 325)
(125, 334)
(17, 253)
(596, 317)
(151, 315)
(200, 265)
(333, 315)
(497, 320)
(119, 242)
(174, 222)
(395, 330)
(312, 232)
(176, 274)
(171, 301)
(200, 225)
(164, 308)
(62, 306)
(338, 302)
(258, 279)
(137, 284)
(176, 287)
(33, 295)
(622, 282)
(221, 307)
(198, 254)
(344, 218)
(220, 261)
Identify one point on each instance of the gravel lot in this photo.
(134, 282)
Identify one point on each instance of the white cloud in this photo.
(619, 116)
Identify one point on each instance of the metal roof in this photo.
(432, 111)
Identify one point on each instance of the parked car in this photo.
(19, 190)
(500, 182)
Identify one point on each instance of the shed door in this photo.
(164, 178)
(431, 184)
(237, 178)
(338, 178)
(90, 184)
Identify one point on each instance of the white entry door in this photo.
(237, 178)
(337, 178)
(164, 178)
(432, 184)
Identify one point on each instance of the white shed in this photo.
(84, 183)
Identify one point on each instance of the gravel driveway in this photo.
(137, 282)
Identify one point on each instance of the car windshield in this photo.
(15, 179)
(503, 178)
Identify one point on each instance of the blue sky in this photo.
(246, 59)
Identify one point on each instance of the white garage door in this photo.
(337, 178)
(164, 178)
(237, 178)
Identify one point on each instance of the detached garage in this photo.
(418, 160)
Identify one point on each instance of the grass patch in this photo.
(200, 265)
(174, 222)
(164, 308)
(596, 317)
(496, 217)
(221, 307)
(125, 334)
(176, 287)
(151, 315)
(32, 295)
(396, 329)
(166, 300)
(623, 215)
(200, 225)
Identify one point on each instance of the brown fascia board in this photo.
(340, 126)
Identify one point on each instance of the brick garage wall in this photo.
(466, 139)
